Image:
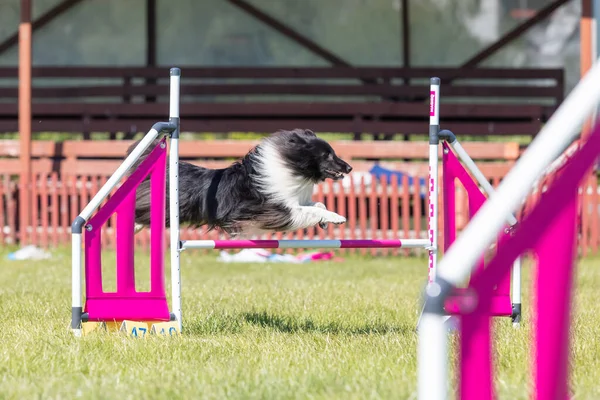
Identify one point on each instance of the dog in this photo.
(268, 190)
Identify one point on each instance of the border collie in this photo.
(269, 190)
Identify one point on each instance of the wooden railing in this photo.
(376, 101)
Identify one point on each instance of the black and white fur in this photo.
(269, 190)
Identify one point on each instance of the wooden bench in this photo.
(380, 101)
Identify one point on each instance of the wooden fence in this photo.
(66, 175)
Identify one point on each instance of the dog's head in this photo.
(309, 156)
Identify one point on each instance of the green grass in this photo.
(318, 331)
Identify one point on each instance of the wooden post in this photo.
(586, 60)
(587, 48)
(25, 117)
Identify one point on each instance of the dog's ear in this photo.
(299, 136)
(309, 133)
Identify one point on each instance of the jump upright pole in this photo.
(174, 195)
(432, 184)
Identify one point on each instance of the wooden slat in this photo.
(39, 148)
(107, 167)
(33, 235)
(44, 199)
(490, 125)
(64, 207)
(341, 209)
(73, 196)
(191, 111)
(11, 207)
(290, 72)
(289, 110)
(373, 215)
(238, 148)
(362, 207)
(405, 208)
(417, 207)
(352, 213)
(54, 209)
(519, 93)
(395, 217)
(384, 209)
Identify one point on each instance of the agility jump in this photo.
(128, 304)
(549, 230)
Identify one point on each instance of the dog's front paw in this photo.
(322, 225)
(334, 219)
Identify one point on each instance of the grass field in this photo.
(330, 330)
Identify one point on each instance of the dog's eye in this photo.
(330, 156)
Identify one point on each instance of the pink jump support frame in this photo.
(549, 231)
(127, 303)
(452, 171)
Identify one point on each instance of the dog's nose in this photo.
(348, 168)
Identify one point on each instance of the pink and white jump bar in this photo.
(306, 244)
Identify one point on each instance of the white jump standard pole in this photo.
(431, 334)
(174, 196)
(432, 184)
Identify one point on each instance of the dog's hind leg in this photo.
(138, 228)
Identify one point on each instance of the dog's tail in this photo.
(142, 202)
(144, 155)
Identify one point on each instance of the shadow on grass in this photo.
(235, 323)
(295, 325)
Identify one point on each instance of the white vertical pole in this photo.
(432, 349)
(174, 196)
(432, 184)
(76, 302)
(515, 296)
(432, 357)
